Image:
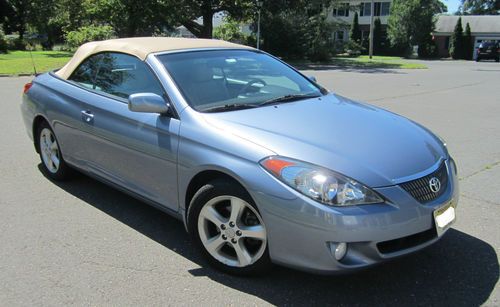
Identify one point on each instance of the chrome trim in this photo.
(421, 174)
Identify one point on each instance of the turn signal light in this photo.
(27, 86)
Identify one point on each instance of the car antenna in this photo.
(32, 60)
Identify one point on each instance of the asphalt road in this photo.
(84, 243)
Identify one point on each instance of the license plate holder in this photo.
(444, 217)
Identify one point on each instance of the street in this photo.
(82, 242)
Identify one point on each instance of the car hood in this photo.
(366, 143)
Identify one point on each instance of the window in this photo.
(86, 72)
(213, 79)
(339, 36)
(117, 74)
(365, 9)
(376, 9)
(379, 8)
(342, 10)
(386, 8)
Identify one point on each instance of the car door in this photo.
(137, 151)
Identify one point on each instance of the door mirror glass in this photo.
(148, 103)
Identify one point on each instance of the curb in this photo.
(16, 75)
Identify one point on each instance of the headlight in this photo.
(320, 184)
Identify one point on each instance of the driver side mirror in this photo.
(148, 103)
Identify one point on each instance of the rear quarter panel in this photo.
(54, 99)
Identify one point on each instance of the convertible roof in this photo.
(140, 47)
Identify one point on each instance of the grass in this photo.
(19, 62)
(395, 62)
(364, 62)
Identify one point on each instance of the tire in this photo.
(233, 243)
(53, 164)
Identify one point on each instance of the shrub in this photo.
(457, 41)
(318, 35)
(468, 43)
(354, 48)
(74, 39)
(15, 43)
(427, 48)
(231, 32)
(34, 47)
(3, 42)
(355, 33)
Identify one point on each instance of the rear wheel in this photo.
(228, 229)
(53, 163)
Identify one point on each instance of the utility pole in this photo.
(372, 12)
(259, 7)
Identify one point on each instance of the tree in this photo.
(468, 43)
(295, 29)
(355, 33)
(377, 37)
(187, 11)
(457, 41)
(130, 17)
(411, 22)
(480, 7)
(19, 14)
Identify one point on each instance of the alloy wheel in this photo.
(49, 150)
(232, 231)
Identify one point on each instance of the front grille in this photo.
(420, 188)
(396, 245)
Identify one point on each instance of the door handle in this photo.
(87, 117)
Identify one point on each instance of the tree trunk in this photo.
(207, 29)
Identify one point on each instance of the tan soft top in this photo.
(140, 47)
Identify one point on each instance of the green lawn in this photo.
(381, 61)
(364, 62)
(19, 62)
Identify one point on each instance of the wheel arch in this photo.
(37, 120)
(200, 179)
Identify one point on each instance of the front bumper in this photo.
(300, 230)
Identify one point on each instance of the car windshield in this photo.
(224, 80)
(488, 44)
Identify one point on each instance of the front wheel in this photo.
(53, 164)
(228, 229)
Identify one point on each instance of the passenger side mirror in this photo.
(313, 79)
(148, 103)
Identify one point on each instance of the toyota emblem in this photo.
(434, 184)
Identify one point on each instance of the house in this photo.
(484, 27)
(343, 13)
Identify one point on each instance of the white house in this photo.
(344, 13)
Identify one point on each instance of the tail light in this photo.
(27, 86)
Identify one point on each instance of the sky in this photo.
(452, 5)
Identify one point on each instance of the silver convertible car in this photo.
(261, 163)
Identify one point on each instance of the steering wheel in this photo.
(250, 83)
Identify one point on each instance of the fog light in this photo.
(338, 250)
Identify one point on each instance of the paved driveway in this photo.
(82, 242)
